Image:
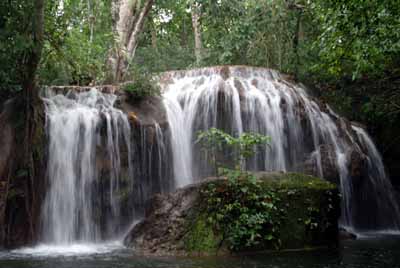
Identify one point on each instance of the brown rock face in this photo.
(160, 233)
(20, 195)
(328, 164)
(7, 146)
(145, 112)
(358, 166)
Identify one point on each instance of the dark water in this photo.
(370, 252)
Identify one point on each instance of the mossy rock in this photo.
(180, 223)
(312, 209)
(201, 237)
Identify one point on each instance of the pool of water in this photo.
(367, 252)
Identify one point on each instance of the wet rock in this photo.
(110, 89)
(6, 142)
(175, 223)
(161, 232)
(358, 166)
(346, 235)
(145, 112)
(225, 72)
(20, 201)
(7, 147)
(328, 161)
(240, 88)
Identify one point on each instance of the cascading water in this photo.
(306, 136)
(86, 136)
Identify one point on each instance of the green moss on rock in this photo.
(201, 237)
(311, 210)
(302, 212)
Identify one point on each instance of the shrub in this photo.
(216, 141)
(144, 85)
(243, 211)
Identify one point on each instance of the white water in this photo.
(71, 218)
(245, 99)
(80, 249)
(180, 142)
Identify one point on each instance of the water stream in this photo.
(81, 128)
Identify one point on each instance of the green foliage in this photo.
(356, 37)
(144, 85)
(216, 141)
(243, 211)
(201, 237)
(272, 211)
(78, 40)
(254, 213)
(15, 40)
(251, 32)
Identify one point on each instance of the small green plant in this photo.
(142, 86)
(216, 141)
(239, 207)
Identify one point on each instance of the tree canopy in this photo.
(318, 42)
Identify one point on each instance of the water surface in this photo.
(367, 252)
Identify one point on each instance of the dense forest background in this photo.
(346, 52)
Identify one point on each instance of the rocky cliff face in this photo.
(20, 198)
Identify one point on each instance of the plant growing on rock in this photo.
(142, 86)
(216, 142)
(244, 212)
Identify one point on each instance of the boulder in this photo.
(177, 223)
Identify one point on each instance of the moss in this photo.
(294, 181)
(311, 206)
(201, 237)
(310, 209)
(307, 210)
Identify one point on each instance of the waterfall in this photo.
(101, 171)
(86, 138)
(306, 136)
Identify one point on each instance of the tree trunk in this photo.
(129, 17)
(296, 44)
(31, 99)
(298, 8)
(91, 19)
(153, 35)
(198, 45)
